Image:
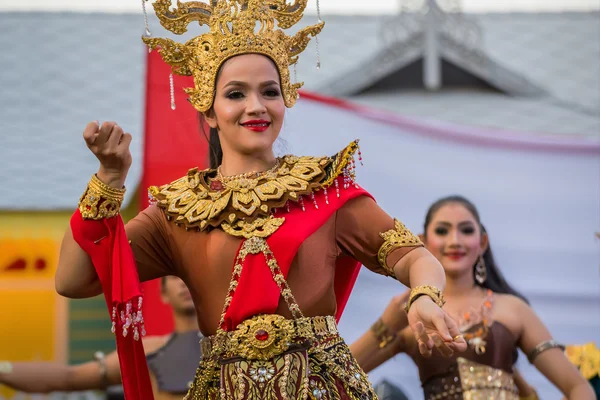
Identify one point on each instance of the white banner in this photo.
(538, 196)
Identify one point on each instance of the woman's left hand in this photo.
(433, 327)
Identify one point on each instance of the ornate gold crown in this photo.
(236, 27)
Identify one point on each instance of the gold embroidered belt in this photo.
(265, 336)
(269, 357)
(469, 380)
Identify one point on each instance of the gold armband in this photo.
(542, 347)
(426, 290)
(382, 333)
(400, 236)
(100, 200)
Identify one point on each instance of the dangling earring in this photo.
(480, 271)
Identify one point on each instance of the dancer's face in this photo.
(454, 237)
(248, 109)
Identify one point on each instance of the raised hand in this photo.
(110, 145)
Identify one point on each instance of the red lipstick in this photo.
(256, 125)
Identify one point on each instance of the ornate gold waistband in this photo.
(469, 380)
(265, 336)
(479, 381)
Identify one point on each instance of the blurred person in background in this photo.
(494, 319)
(172, 359)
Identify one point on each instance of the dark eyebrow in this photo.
(239, 83)
(463, 223)
(459, 224)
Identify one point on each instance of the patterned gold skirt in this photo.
(468, 380)
(272, 358)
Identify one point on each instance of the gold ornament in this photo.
(400, 236)
(243, 207)
(482, 382)
(100, 200)
(236, 27)
(382, 333)
(432, 292)
(263, 337)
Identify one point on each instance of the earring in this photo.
(480, 271)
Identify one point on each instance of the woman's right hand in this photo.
(110, 145)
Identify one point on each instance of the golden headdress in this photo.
(236, 27)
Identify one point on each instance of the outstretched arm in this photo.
(386, 246)
(552, 362)
(46, 377)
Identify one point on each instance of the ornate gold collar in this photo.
(244, 207)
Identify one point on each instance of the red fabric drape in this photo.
(284, 243)
(173, 143)
(106, 243)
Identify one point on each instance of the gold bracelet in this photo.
(382, 333)
(100, 200)
(432, 292)
(99, 356)
(6, 367)
(532, 396)
(542, 347)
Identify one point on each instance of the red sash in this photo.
(106, 243)
(257, 292)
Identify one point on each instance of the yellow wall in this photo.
(34, 317)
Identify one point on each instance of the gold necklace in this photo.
(246, 175)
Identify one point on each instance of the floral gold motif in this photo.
(100, 200)
(277, 332)
(432, 292)
(327, 370)
(243, 207)
(382, 333)
(236, 27)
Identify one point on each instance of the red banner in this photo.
(173, 143)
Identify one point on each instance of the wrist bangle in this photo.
(432, 292)
(382, 333)
(100, 358)
(6, 367)
(100, 200)
(542, 347)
